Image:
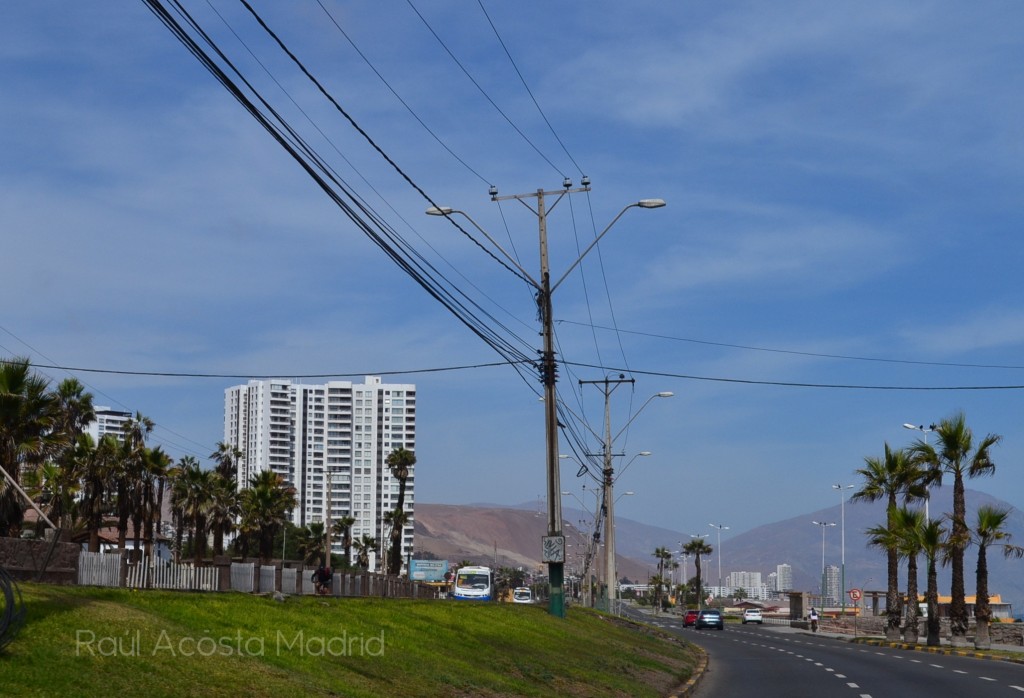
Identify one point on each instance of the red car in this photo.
(690, 619)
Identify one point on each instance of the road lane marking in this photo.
(957, 671)
(985, 678)
(1017, 688)
(852, 684)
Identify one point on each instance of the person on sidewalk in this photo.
(814, 620)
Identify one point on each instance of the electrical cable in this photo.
(525, 85)
(399, 97)
(484, 92)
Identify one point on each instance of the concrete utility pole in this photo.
(553, 545)
(608, 481)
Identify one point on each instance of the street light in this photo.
(926, 431)
(554, 541)
(824, 525)
(719, 527)
(638, 455)
(842, 513)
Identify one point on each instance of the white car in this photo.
(522, 595)
(752, 615)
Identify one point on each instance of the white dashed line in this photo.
(957, 671)
(937, 666)
(852, 685)
(840, 676)
(1017, 688)
(985, 678)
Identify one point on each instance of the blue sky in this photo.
(843, 184)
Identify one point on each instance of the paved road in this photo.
(778, 662)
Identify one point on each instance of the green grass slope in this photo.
(112, 642)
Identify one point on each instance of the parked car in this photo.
(689, 618)
(710, 618)
(752, 615)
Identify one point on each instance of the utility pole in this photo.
(608, 481)
(553, 544)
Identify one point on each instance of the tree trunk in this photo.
(958, 604)
(892, 595)
(934, 625)
(982, 609)
(910, 629)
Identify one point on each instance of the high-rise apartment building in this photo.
(783, 577)
(108, 421)
(832, 585)
(330, 442)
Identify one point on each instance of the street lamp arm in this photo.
(447, 211)
(623, 469)
(643, 203)
(664, 393)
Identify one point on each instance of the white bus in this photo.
(473, 584)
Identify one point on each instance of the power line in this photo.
(482, 91)
(791, 351)
(236, 376)
(528, 90)
(398, 96)
(792, 384)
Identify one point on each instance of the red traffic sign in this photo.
(855, 594)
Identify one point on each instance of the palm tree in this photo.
(893, 477)
(956, 454)
(157, 464)
(989, 530)
(134, 486)
(343, 528)
(364, 546)
(933, 545)
(662, 555)
(224, 507)
(400, 461)
(227, 457)
(265, 506)
(904, 535)
(312, 542)
(74, 407)
(397, 520)
(179, 493)
(62, 479)
(28, 413)
(95, 463)
(698, 548)
(197, 490)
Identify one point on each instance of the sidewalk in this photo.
(1012, 653)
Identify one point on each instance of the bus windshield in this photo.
(472, 580)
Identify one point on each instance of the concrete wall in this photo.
(24, 558)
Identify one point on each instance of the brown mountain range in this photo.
(496, 536)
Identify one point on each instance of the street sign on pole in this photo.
(855, 594)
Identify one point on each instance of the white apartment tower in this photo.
(108, 422)
(783, 577)
(330, 442)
